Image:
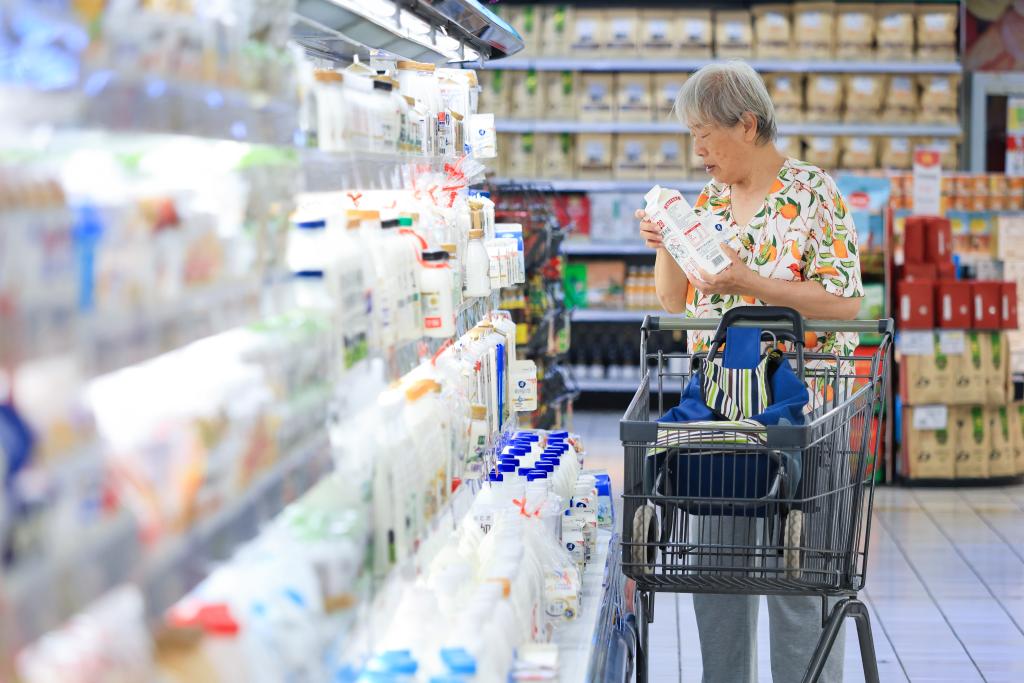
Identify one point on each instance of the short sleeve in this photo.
(831, 255)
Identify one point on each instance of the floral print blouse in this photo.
(803, 231)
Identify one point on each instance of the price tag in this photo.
(523, 382)
(928, 181)
(931, 418)
(916, 343)
(953, 342)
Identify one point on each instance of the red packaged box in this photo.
(988, 305)
(914, 229)
(953, 305)
(919, 271)
(946, 271)
(915, 304)
(1009, 313)
(938, 241)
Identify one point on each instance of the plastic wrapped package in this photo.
(734, 37)
(634, 97)
(856, 25)
(561, 95)
(773, 31)
(901, 101)
(632, 157)
(623, 32)
(822, 151)
(524, 94)
(895, 153)
(596, 97)
(939, 99)
(895, 32)
(557, 25)
(557, 155)
(863, 95)
(858, 152)
(814, 30)
(824, 97)
(594, 156)
(698, 33)
(946, 147)
(787, 92)
(666, 88)
(936, 25)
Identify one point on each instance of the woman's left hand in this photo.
(737, 278)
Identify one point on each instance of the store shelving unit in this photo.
(639, 186)
(589, 248)
(821, 129)
(763, 65)
(616, 386)
(601, 315)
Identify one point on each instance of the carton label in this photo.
(691, 242)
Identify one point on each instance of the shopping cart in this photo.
(687, 485)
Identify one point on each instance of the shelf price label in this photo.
(931, 418)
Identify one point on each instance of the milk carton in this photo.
(692, 242)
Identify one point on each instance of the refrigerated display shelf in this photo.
(635, 248)
(640, 186)
(762, 65)
(668, 127)
(364, 170)
(617, 386)
(599, 315)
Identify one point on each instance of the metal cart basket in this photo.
(802, 493)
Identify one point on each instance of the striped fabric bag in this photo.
(736, 393)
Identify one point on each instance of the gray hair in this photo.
(722, 93)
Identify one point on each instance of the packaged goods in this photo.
(1010, 314)
(734, 38)
(927, 378)
(855, 30)
(824, 97)
(1002, 457)
(521, 156)
(1016, 415)
(692, 242)
(895, 33)
(863, 94)
(901, 101)
(787, 92)
(668, 154)
(560, 95)
(557, 25)
(698, 33)
(598, 284)
(987, 302)
(590, 32)
(995, 357)
(947, 149)
(593, 156)
(623, 31)
(936, 32)
(661, 31)
(773, 35)
(822, 151)
(916, 305)
(632, 157)
(557, 155)
(895, 153)
(494, 92)
(953, 305)
(858, 153)
(969, 385)
(524, 94)
(939, 100)
(814, 29)
(529, 24)
(930, 453)
(972, 442)
(666, 89)
(634, 97)
(789, 145)
(596, 97)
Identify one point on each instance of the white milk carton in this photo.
(691, 241)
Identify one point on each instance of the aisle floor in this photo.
(945, 584)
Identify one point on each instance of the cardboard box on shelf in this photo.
(895, 32)
(596, 97)
(494, 92)
(557, 155)
(915, 229)
(863, 94)
(623, 31)
(972, 442)
(595, 284)
(528, 23)
(929, 452)
(926, 379)
(918, 271)
(1010, 311)
(936, 25)
(824, 97)
(590, 33)
(1002, 458)
(734, 38)
(948, 151)
(525, 97)
(915, 305)
(561, 95)
(1016, 415)
(666, 89)
(668, 156)
(855, 30)
(938, 242)
(995, 357)
(557, 25)
(814, 34)
(594, 156)
(969, 384)
(660, 33)
(987, 298)
(953, 305)
(522, 158)
(698, 33)
(902, 101)
(632, 157)
(822, 150)
(787, 92)
(773, 31)
(634, 97)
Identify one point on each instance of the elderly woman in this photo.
(793, 244)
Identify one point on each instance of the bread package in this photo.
(525, 94)
(814, 33)
(561, 93)
(734, 38)
(698, 33)
(773, 31)
(668, 155)
(661, 32)
(939, 99)
(901, 100)
(855, 31)
(623, 31)
(590, 34)
(895, 153)
(634, 96)
(822, 151)
(522, 156)
(632, 157)
(863, 96)
(895, 32)
(596, 98)
(936, 32)
(787, 92)
(824, 97)
(556, 155)
(557, 23)
(594, 156)
(666, 89)
(858, 152)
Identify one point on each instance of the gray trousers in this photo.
(727, 624)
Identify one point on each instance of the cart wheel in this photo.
(794, 531)
(646, 532)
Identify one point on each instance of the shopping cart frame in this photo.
(835, 441)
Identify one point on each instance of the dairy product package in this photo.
(691, 241)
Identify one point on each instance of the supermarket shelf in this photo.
(823, 129)
(575, 640)
(635, 248)
(598, 315)
(358, 170)
(763, 65)
(617, 386)
(639, 186)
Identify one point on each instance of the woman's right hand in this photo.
(650, 233)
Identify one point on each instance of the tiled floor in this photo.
(945, 584)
